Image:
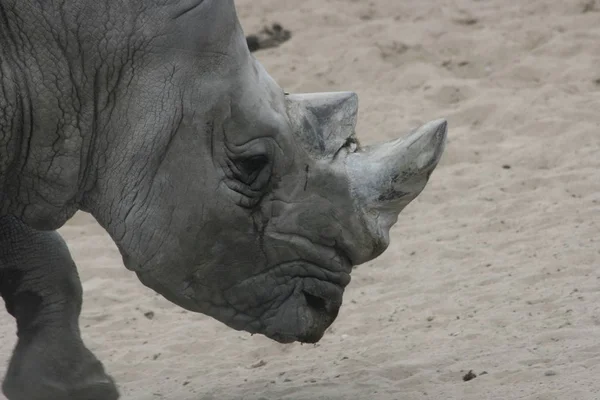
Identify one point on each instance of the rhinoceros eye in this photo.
(252, 164)
(249, 168)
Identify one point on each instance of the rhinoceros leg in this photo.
(42, 290)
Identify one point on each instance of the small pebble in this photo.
(259, 364)
(469, 376)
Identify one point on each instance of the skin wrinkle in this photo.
(143, 205)
(203, 53)
(260, 225)
(241, 188)
(309, 200)
(272, 272)
(11, 112)
(274, 306)
(271, 306)
(63, 42)
(254, 194)
(291, 238)
(93, 143)
(188, 10)
(12, 51)
(149, 173)
(176, 126)
(157, 248)
(61, 123)
(27, 135)
(121, 86)
(231, 147)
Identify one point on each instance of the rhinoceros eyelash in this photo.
(352, 144)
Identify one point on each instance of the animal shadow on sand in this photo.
(268, 37)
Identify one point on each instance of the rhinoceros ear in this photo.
(206, 27)
(323, 120)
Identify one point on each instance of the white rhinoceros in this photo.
(224, 194)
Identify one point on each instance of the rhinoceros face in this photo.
(261, 202)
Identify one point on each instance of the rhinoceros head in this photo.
(246, 203)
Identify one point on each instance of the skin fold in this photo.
(224, 194)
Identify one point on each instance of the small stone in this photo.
(259, 364)
(589, 6)
(469, 376)
(149, 314)
(466, 21)
(549, 373)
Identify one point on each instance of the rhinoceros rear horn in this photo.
(332, 115)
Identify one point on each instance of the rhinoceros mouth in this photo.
(309, 308)
(293, 301)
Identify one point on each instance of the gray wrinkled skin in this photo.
(223, 193)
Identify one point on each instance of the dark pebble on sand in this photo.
(469, 376)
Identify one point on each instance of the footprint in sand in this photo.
(268, 37)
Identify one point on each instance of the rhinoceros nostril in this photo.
(315, 302)
(325, 307)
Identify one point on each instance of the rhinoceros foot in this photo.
(40, 287)
(50, 366)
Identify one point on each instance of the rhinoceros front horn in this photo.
(385, 178)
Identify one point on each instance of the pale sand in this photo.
(491, 269)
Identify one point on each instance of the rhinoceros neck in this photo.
(48, 110)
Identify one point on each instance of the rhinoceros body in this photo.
(223, 193)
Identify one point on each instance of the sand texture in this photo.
(495, 268)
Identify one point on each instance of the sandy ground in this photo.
(495, 268)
